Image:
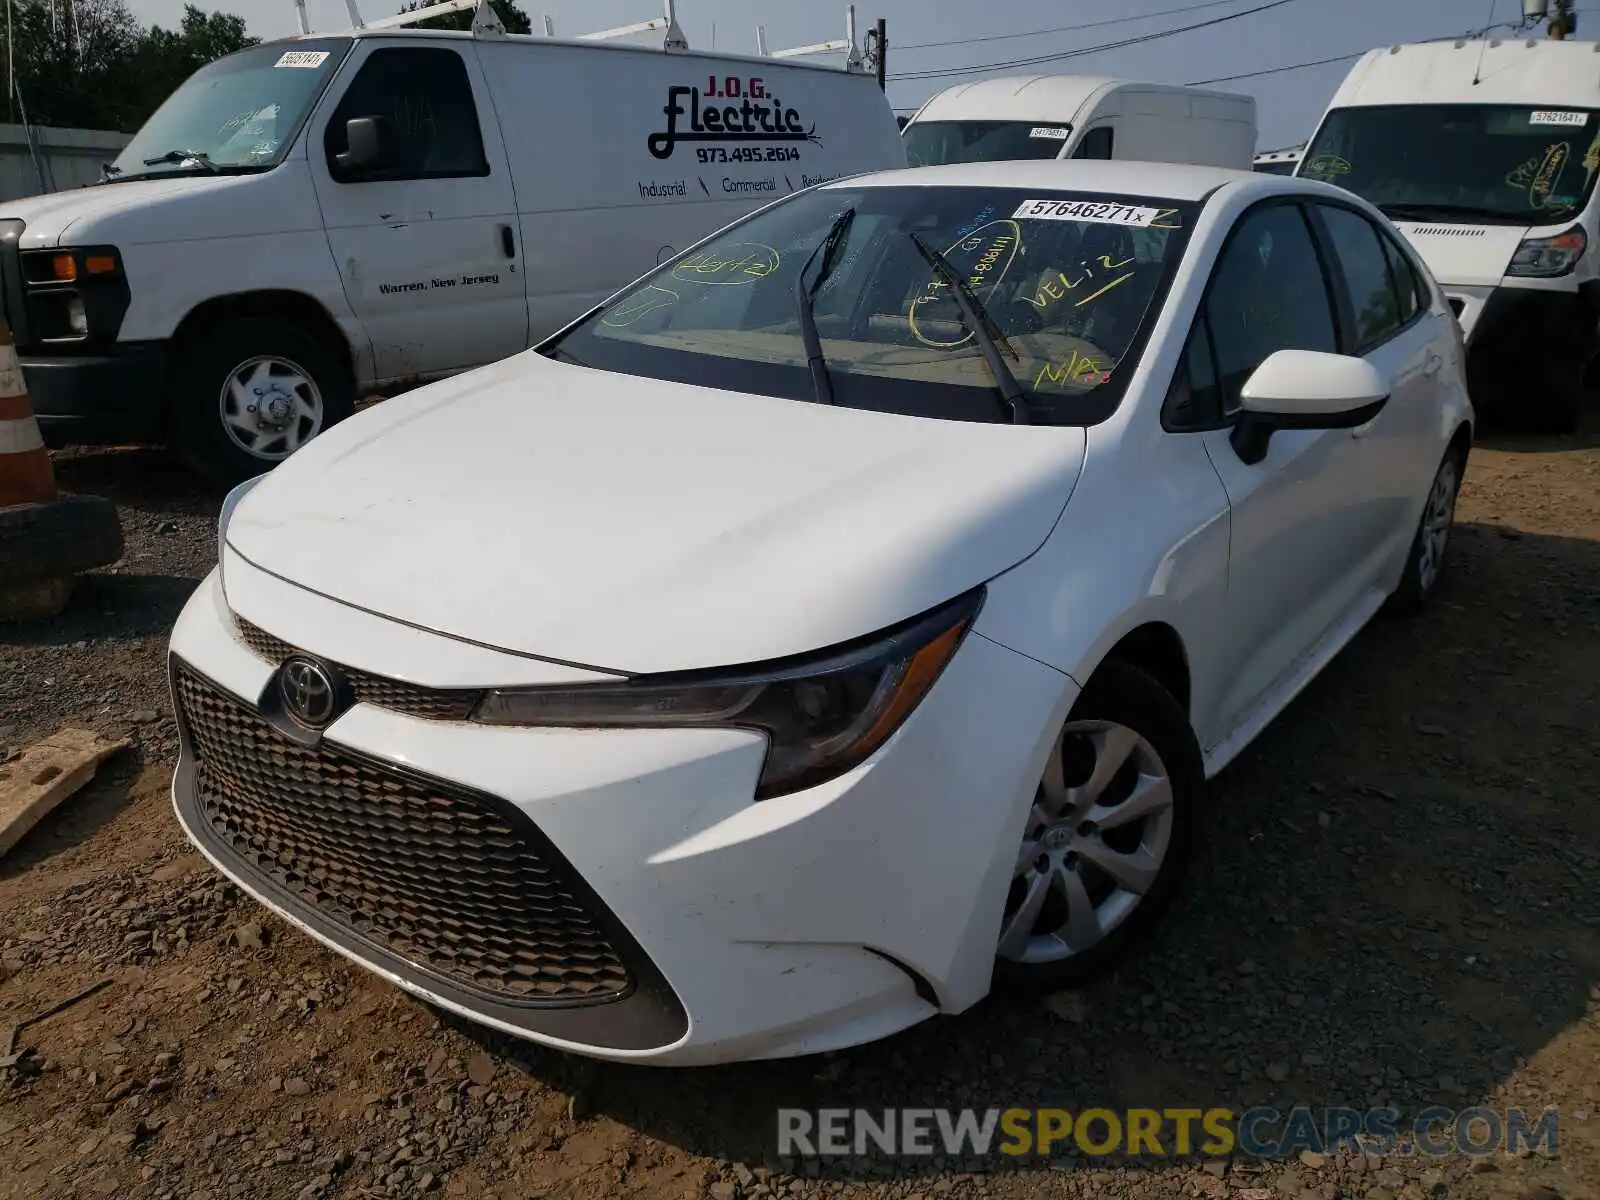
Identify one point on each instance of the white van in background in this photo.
(1081, 116)
(305, 222)
(1485, 155)
(1279, 162)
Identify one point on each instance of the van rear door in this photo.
(426, 242)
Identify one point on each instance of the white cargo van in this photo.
(307, 221)
(1485, 154)
(1081, 116)
(1279, 162)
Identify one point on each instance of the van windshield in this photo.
(1468, 163)
(1070, 281)
(935, 143)
(236, 114)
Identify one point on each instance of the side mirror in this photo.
(369, 146)
(1305, 389)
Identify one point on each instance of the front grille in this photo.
(454, 883)
(434, 704)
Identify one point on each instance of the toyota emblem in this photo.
(308, 692)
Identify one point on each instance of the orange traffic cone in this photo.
(25, 474)
(45, 538)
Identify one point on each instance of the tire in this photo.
(283, 364)
(58, 539)
(1425, 560)
(1122, 706)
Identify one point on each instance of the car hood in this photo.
(638, 526)
(1465, 255)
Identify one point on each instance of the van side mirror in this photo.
(369, 146)
(1305, 389)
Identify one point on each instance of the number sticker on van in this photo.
(1055, 133)
(1085, 210)
(302, 58)
(1558, 118)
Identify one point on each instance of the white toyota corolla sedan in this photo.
(839, 623)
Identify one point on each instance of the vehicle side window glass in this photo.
(1409, 288)
(425, 99)
(1193, 402)
(1268, 293)
(1365, 267)
(1096, 143)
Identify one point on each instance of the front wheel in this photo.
(1425, 562)
(1108, 837)
(252, 392)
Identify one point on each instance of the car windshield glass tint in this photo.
(935, 143)
(1472, 163)
(238, 112)
(1070, 280)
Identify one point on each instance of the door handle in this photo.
(508, 243)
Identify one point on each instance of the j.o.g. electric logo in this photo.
(730, 109)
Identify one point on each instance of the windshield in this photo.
(935, 143)
(239, 112)
(1071, 281)
(1474, 163)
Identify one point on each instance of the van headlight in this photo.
(1550, 256)
(822, 714)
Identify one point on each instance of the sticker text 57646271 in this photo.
(1091, 211)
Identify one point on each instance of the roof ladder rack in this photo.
(852, 61)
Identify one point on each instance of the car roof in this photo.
(1176, 181)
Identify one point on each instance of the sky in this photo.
(1289, 103)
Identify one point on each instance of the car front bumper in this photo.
(796, 925)
(102, 400)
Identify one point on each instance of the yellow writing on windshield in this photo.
(1062, 286)
(1076, 369)
(983, 256)
(630, 308)
(742, 262)
(1326, 167)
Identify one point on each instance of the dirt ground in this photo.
(1398, 901)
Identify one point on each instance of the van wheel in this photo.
(250, 393)
(1108, 837)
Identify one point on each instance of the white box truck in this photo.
(1082, 116)
(308, 221)
(1485, 154)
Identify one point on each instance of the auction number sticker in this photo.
(1085, 210)
(303, 58)
(1558, 118)
(1056, 133)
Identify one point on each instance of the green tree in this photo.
(512, 17)
(91, 65)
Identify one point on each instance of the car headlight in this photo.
(823, 714)
(1544, 257)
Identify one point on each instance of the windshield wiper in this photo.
(805, 298)
(989, 337)
(109, 170)
(1424, 212)
(183, 156)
